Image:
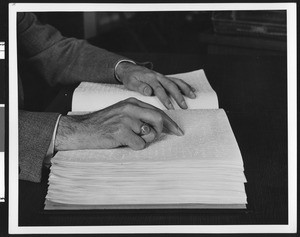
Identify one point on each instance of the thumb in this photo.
(141, 87)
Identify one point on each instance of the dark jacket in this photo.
(57, 60)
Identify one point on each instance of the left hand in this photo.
(117, 125)
(149, 82)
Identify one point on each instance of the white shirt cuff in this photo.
(50, 152)
(123, 60)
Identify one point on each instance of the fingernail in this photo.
(192, 95)
(147, 91)
(181, 133)
(184, 104)
(170, 106)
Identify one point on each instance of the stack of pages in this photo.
(202, 169)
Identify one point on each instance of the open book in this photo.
(202, 169)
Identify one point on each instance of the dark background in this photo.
(249, 33)
(2, 82)
(178, 32)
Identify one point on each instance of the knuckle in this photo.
(159, 89)
(159, 118)
(173, 87)
(150, 75)
(127, 107)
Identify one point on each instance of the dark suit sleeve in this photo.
(58, 60)
(63, 60)
(35, 134)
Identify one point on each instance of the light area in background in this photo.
(2, 180)
(102, 21)
(2, 50)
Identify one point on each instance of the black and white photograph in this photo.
(158, 118)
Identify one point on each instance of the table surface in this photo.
(253, 92)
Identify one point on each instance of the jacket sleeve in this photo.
(35, 134)
(62, 60)
(58, 60)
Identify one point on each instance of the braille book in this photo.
(202, 169)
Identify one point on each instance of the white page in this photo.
(126, 195)
(58, 206)
(2, 50)
(208, 137)
(94, 96)
(143, 172)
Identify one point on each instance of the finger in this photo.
(151, 114)
(174, 91)
(143, 115)
(184, 87)
(145, 129)
(161, 94)
(172, 127)
(142, 129)
(134, 141)
(169, 124)
(152, 117)
(141, 87)
(150, 137)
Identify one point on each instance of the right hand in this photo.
(114, 126)
(148, 82)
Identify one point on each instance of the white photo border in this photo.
(291, 227)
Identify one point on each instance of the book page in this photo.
(208, 137)
(203, 166)
(59, 206)
(95, 96)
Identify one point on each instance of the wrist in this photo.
(66, 138)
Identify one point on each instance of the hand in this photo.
(148, 82)
(114, 126)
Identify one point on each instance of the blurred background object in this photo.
(268, 24)
(247, 32)
(155, 32)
